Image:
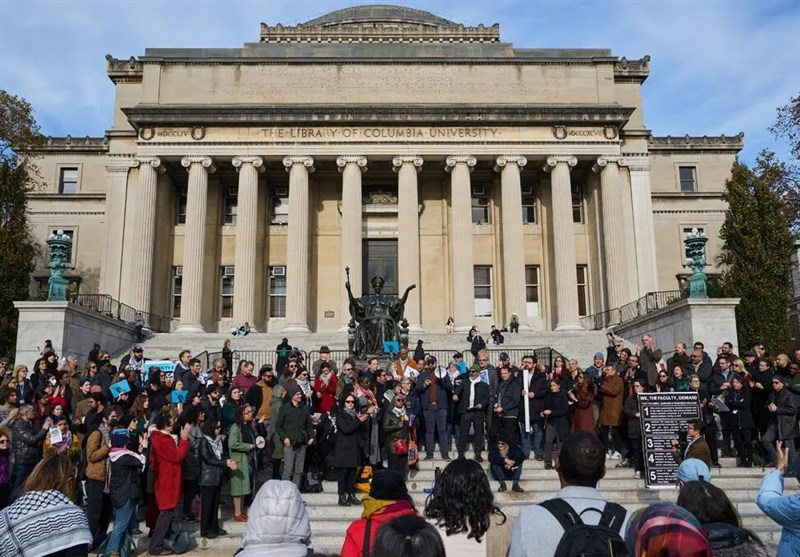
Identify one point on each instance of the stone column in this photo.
(461, 254)
(566, 278)
(351, 167)
(613, 239)
(244, 291)
(644, 227)
(407, 167)
(143, 244)
(194, 240)
(116, 197)
(510, 167)
(297, 285)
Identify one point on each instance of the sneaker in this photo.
(637, 475)
(616, 456)
(622, 463)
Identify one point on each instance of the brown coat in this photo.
(699, 450)
(96, 456)
(612, 390)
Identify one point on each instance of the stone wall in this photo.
(711, 322)
(72, 329)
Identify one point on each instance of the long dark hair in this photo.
(462, 500)
(709, 504)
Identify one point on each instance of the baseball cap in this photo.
(504, 356)
(458, 355)
(693, 470)
(138, 348)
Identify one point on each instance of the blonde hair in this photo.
(53, 472)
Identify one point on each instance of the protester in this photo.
(505, 460)
(387, 499)
(783, 509)
(665, 530)
(6, 467)
(696, 446)
(782, 421)
(396, 435)
(240, 454)
(556, 422)
(631, 409)
(692, 470)
(612, 416)
(350, 430)
(408, 535)
(473, 398)
(213, 464)
(581, 465)
(125, 468)
(463, 510)
(26, 445)
(46, 500)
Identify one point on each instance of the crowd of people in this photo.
(114, 438)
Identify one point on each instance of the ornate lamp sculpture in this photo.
(60, 246)
(696, 247)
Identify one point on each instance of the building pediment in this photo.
(379, 23)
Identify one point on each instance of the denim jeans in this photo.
(538, 440)
(124, 520)
(436, 419)
(502, 474)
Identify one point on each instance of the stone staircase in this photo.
(572, 344)
(329, 521)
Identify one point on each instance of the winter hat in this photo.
(693, 470)
(599, 356)
(96, 389)
(780, 378)
(388, 485)
(294, 390)
(120, 438)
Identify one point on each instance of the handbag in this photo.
(413, 453)
(400, 446)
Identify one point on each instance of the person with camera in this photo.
(395, 432)
(350, 427)
(696, 446)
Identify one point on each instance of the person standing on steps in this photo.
(434, 388)
(350, 427)
(293, 426)
(472, 398)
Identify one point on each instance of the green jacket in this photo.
(294, 423)
(393, 429)
(240, 452)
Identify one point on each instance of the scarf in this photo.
(399, 412)
(118, 452)
(216, 445)
(383, 506)
(472, 383)
(304, 385)
(65, 443)
(106, 433)
(41, 523)
(667, 530)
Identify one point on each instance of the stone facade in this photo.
(237, 184)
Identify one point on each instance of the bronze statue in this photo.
(376, 318)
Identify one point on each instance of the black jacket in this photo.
(211, 467)
(785, 418)
(539, 387)
(124, 482)
(631, 408)
(294, 423)
(508, 394)
(514, 453)
(348, 440)
(25, 444)
(740, 403)
(481, 396)
(559, 407)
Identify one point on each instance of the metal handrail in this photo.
(648, 303)
(108, 306)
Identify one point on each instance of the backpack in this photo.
(602, 540)
(127, 546)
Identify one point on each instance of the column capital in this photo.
(606, 159)
(207, 163)
(344, 160)
(155, 162)
(122, 167)
(451, 161)
(256, 161)
(637, 162)
(400, 160)
(552, 161)
(292, 160)
(503, 160)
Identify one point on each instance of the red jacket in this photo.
(326, 395)
(354, 538)
(165, 461)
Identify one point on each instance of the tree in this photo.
(757, 244)
(19, 139)
(787, 126)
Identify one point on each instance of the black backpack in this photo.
(584, 540)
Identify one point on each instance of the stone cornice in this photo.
(358, 160)
(632, 70)
(717, 143)
(68, 143)
(379, 32)
(124, 71)
(385, 115)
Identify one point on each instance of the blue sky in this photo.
(717, 67)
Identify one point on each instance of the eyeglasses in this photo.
(3, 441)
(349, 401)
(217, 427)
(662, 375)
(348, 369)
(400, 399)
(777, 383)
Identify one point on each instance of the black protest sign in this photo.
(662, 418)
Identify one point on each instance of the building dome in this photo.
(380, 13)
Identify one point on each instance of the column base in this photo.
(416, 328)
(567, 327)
(189, 328)
(296, 328)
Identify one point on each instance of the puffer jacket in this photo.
(25, 444)
(727, 540)
(277, 524)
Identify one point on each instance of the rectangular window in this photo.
(690, 230)
(226, 287)
(532, 289)
(577, 203)
(482, 275)
(68, 180)
(583, 290)
(177, 288)
(528, 206)
(229, 205)
(180, 205)
(480, 205)
(280, 205)
(277, 291)
(688, 178)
